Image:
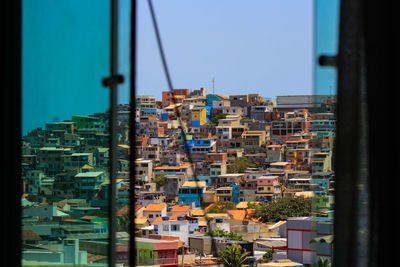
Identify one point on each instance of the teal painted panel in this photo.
(65, 55)
(326, 43)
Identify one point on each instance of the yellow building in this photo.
(253, 139)
(268, 188)
(199, 116)
(210, 197)
(298, 156)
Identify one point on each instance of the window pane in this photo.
(323, 126)
(65, 124)
(326, 43)
(276, 129)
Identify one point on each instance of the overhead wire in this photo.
(170, 87)
(177, 112)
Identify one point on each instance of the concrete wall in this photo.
(92, 247)
(43, 256)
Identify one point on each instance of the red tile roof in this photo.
(237, 214)
(155, 207)
(298, 141)
(122, 211)
(179, 208)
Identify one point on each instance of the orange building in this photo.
(177, 96)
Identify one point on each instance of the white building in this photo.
(179, 228)
(153, 211)
(43, 212)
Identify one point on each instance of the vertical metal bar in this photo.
(348, 145)
(10, 97)
(132, 138)
(378, 20)
(113, 133)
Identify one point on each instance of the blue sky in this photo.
(258, 46)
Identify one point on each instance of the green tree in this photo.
(252, 205)
(222, 207)
(322, 262)
(159, 179)
(234, 236)
(216, 118)
(214, 209)
(123, 223)
(268, 255)
(240, 165)
(218, 232)
(282, 208)
(233, 256)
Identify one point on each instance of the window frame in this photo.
(375, 16)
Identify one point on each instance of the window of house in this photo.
(175, 227)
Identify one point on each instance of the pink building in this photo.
(268, 188)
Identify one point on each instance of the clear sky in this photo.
(257, 46)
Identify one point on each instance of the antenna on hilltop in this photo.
(213, 80)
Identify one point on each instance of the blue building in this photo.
(192, 191)
(235, 193)
(213, 97)
(208, 111)
(203, 143)
(229, 193)
(149, 111)
(164, 116)
(321, 184)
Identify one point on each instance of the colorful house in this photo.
(85, 122)
(298, 144)
(153, 211)
(156, 252)
(301, 231)
(98, 223)
(298, 156)
(87, 184)
(252, 140)
(177, 226)
(180, 210)
(201, 146)
(268, 188)
(321, 162)
(214, 97)
(210, 197)
(199, 116)
(218, 169)
(274, 153)
(227, 179)
(192, 191)
(172, 170)
(228, 193)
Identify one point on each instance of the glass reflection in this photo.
(65, 167)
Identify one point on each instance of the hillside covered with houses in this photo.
(211, 171)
